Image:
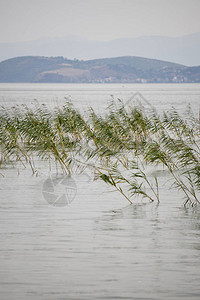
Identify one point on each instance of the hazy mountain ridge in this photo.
(108, 70)
(183, 50)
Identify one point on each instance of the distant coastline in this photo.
(125, 69)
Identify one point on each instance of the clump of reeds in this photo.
(117, 145)
(175, 144)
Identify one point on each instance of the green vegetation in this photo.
(119, 146)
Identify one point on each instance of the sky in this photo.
(98, 20)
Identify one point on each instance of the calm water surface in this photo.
(98, 247)
(161, 96)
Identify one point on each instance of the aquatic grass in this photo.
(116, 150)
(175, 144)
(11, 141)
(117, 146)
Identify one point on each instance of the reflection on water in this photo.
(98, 247)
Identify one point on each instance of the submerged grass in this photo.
(118, 145)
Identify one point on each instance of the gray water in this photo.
(160, 96)
(98, 246)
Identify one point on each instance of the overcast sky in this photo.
(99, 20)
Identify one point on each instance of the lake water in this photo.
(98, 246)
(161, 96)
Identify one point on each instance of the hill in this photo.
(127, 69)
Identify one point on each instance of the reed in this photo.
(118, 145)
(175, 144)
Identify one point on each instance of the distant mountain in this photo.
(108, 70)
(183, 50)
